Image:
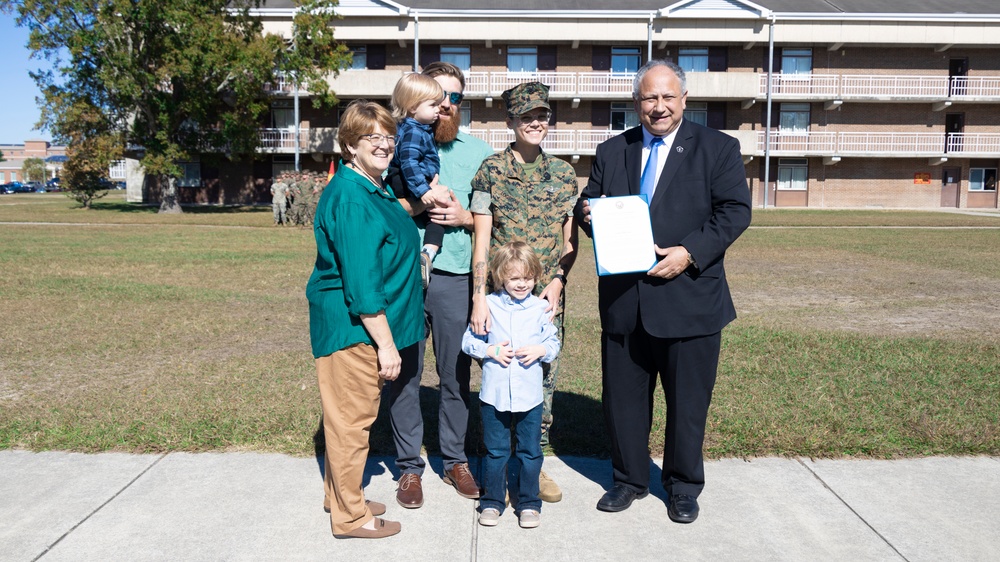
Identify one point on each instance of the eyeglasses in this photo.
(454, 97)
(529, 118)
(378, 139)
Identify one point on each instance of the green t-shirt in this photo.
(460, 160)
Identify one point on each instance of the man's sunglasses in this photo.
(454, 97)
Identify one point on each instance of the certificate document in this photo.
(623, 234)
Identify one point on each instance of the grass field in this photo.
(126, 330)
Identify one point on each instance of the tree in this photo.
(33, 169)
(2, 159)
(165, 80)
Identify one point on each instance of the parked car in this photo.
(35, 187)
(16, 187)
(111, 184)
(54, 184)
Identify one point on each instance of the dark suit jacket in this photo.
(701, 202)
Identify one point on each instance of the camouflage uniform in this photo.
(531, 208)
(301, 201)
(311, 196)
(279, 201)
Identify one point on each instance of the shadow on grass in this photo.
(139, 208)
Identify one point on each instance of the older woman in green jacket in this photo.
(365, 310)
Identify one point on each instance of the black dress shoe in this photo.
(619, 498)
(683, 508)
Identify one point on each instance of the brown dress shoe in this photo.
(461, 478)
(376, 508)
(409, 494)
(382, 529)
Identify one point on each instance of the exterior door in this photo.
(958, 70)
(954, 125)
(950, 182)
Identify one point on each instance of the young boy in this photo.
(521, 337)
(415, 103)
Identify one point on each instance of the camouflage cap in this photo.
(526, 96)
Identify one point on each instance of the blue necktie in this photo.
(648, 183)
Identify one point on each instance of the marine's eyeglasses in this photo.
(529, 118)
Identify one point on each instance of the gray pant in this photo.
(447, 305)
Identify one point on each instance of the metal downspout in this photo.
(767, 124)
(416, 42)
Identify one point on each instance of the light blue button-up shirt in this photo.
(516, 387)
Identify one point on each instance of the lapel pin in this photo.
(680, 149)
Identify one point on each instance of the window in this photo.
(983, 179)
(793, 173)
(623, 116)
(359, 57)
(794, 118)
(282, 115)
(282, 163)
(522, 59)
(457, 55)
(625, 60)
(796, 61)
(697, 112)
(693, 59)
(465, 115)
(190, 174)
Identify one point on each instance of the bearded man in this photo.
(446, 307)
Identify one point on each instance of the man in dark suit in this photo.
(667, 322)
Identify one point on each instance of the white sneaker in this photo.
(529, 519)
(489, 517)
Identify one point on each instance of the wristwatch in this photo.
(561, 277)
(691, 260)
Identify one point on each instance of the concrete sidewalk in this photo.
(180, 506)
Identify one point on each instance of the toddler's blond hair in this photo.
(412, 90)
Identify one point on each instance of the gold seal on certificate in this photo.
(623, 234)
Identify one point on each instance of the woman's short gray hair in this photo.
(652, 64)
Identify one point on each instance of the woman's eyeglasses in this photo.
(454, 97)
(378, 139)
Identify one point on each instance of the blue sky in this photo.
(18, 111)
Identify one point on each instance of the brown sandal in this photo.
(382, 529)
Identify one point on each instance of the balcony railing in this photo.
(618, 85)
(880, 87)
(930, 87)
(818, 143)
(974, 143)
(881, 144)
(801, 85)
(558, 141)
(282, 140)
(891, 143)
(602, 83)
(803, 143)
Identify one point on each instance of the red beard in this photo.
(446, 128)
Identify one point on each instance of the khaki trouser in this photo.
(349, 388)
